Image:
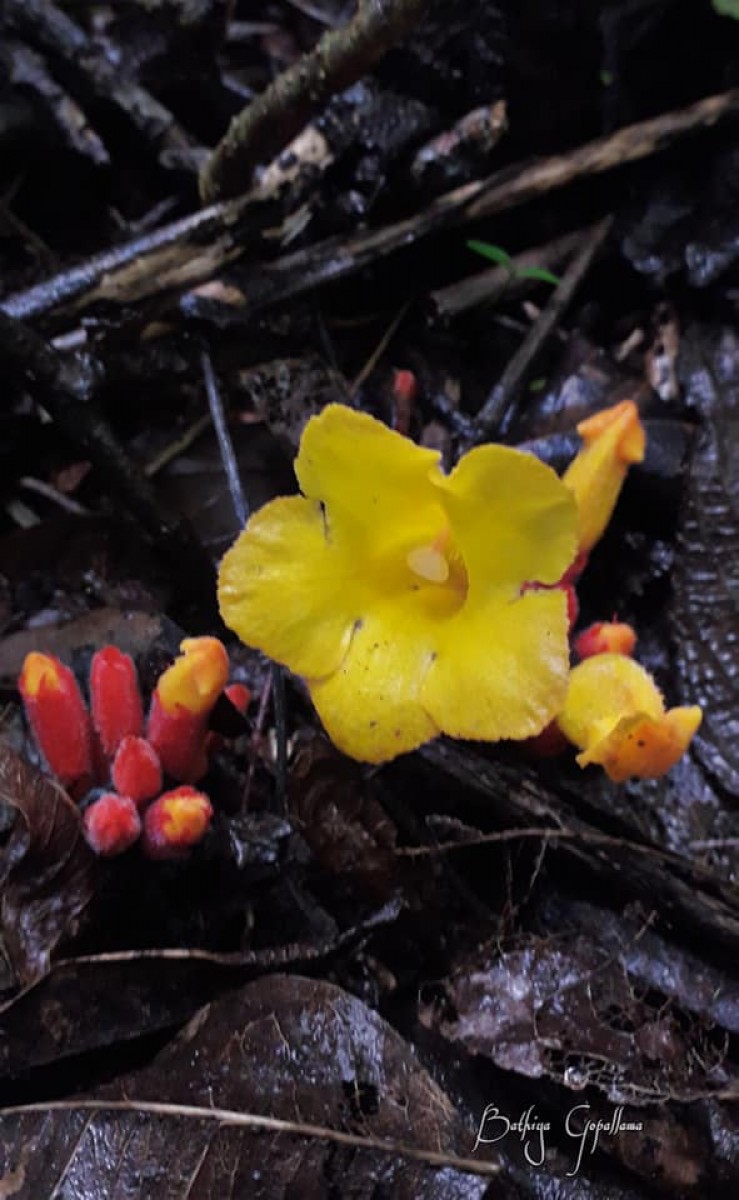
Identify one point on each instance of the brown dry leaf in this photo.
(48, 868)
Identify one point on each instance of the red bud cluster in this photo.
(113, 743)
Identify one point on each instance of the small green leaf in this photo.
(727, 8)
(538, 273)
(495, 254)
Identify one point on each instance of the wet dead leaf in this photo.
(48, 868)
(563, 1008)
(286, 1087)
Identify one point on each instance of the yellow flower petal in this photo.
(374, 482)
(396, 591)
(644, 746)
(510, 516)
(289, 590)
(603, 689)
(502, 667)
(613, 440)
(371, 706)
(615, 713)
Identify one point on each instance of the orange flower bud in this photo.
(605, 637)
(182, 701)
(614, 439)
(615, 713)
(137, 771)
(112, 824)
(115, 699)
(176, 822)
(57, 715)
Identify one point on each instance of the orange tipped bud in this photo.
(112, 824)
(196, 679)
(182, 701)
(614, 439)
(57, 715)
(137, 771)
(615, 714)
(115, 699)
(176, 822)
(605, 637)
(239, 695)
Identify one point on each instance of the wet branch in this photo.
(266, 125)
(195, 248)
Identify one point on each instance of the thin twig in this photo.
(266, 125)
(378, 351)
(257, 1123)
(68, 503)
(279, 701)
(225, 442)
(174, 449)
(241, 509)
(504, 395)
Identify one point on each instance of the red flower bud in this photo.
(605, 637)
(137, 771)
(57, 715)
(117, 711)
(239, 695)
(175, 822)
(112, 824)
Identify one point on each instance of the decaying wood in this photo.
(267, 124)
(195, 248)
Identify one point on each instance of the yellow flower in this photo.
(615, 713)
(396, 590)
(614, 439)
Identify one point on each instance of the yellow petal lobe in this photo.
(615, 714)
(613, 440)
(196, 678)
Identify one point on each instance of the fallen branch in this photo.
(195, 248)
(266, 125)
